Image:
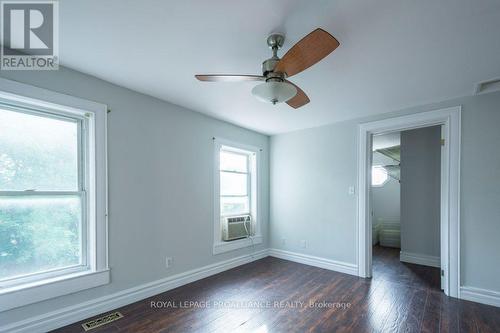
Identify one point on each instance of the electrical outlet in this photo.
(303, 243)
(283, 241)
(168, 262)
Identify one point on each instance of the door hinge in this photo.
(442, 272)
(442, 142)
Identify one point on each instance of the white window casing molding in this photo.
(449, 119)
(96, 272)
(220, 246)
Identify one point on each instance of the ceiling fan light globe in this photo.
(274, 92)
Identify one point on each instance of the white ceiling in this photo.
(393, 54)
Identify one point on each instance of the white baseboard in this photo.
(332, 265)
(75, 313)
(55, 319)
(420, 259)
(375, 233)
(479, 295)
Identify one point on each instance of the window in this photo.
(235, 183)
(379, 175)
(236, 190)
(52, 209)
(42, 195)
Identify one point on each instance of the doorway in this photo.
(405, 207)
(449, 119)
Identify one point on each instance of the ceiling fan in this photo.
(275, 71)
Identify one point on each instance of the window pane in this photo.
(37, 153)
(38, 234)
(233, 183)
(379, 176)
(234, 205)
(233, 162)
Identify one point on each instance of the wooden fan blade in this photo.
(229, 78)
(300, 99)
(308, 51)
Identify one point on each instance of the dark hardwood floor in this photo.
(274, 295)
(387, 267)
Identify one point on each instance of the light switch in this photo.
(352, 190)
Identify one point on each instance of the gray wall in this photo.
(160, 185)
(312, 169)
(385, 199)
(311, 172)
(385, 207)
(421, 191)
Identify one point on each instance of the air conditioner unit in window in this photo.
(235, 227)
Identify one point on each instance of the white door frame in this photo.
(449, 118)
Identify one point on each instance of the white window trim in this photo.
(22, 95)
(220, 246)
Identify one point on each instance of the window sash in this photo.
(42, 275)
(248, 176)
(247, 185)
(235, 151)
(81, 192)
(49, 273)
(248, 212)
(41, 193)
(234, 196)
(236, 172)
(82, 145)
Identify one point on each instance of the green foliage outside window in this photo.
(38, 232)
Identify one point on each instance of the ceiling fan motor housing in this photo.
(275, 42)
(269, 65)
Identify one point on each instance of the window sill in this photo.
(13, 297)
(222, 247)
